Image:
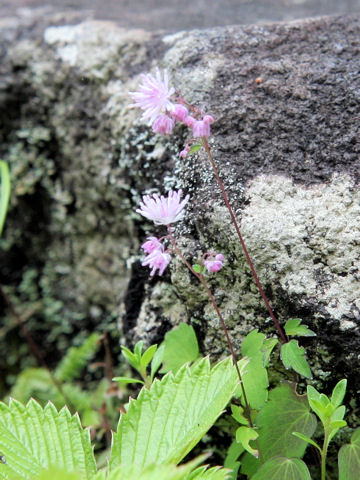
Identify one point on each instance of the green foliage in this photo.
(194, 148)
(76, 359)
(37, 383)
(330, 411)
(349, 458)
(254, 347)
(231, 460)
(139, 361)
(283, 468)
(32, 438)
(167, 421)
(244, 435)
(181, 347)
(294, 328)
(5, 188)
(284, 413)
(293, 356)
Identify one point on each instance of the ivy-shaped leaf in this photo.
(293, 356)
(285, 412)
(282, 468)
(349, 458)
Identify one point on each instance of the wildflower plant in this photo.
(163, 107)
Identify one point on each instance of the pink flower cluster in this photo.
(162, 211)
(154, 97)
(214, 263)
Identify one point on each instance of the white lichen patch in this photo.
(307, 238)
(93, 46)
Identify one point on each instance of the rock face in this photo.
(286, 140)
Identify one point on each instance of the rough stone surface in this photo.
(287, 147)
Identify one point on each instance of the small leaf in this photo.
(131, 358)
(5, 188)
(307, 439)
(237, 413)
(125, 380)
(148, 356)
(138, 348)
(181, 346)
(197, 268)
(244, 435)
(267, 348)
(194, 148)
(338, 393)
(294, 328)
(283, 468)
(293, 356)
(349, 458)
(157, 360)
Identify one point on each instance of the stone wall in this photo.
(287, 147)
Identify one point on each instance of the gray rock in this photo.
(286, 141)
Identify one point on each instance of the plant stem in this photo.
(323, 456)
(223, 324)
(34, 348)
(248, 259)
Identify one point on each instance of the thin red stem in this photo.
(221, 318)
(248, 259)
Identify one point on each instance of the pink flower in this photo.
(153, 96)
(183, 153)
(180, 112)
(214, 265)
(157, 260)
(163, 210)
(152, 243)
(209, 119)
(189, 121)
(163, 124)
(201, 129)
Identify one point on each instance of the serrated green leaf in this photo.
(126, 380)
(285, 412)
(256, 391)
(338, 393)
(307, 439)
(32, 438)
(349, 458)
(148, 356)
(293, 356)
(5, 188)
(76, 359)
(245, 435)
(181, 346)
(283, 468)
(167, 421)
(293, 327)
